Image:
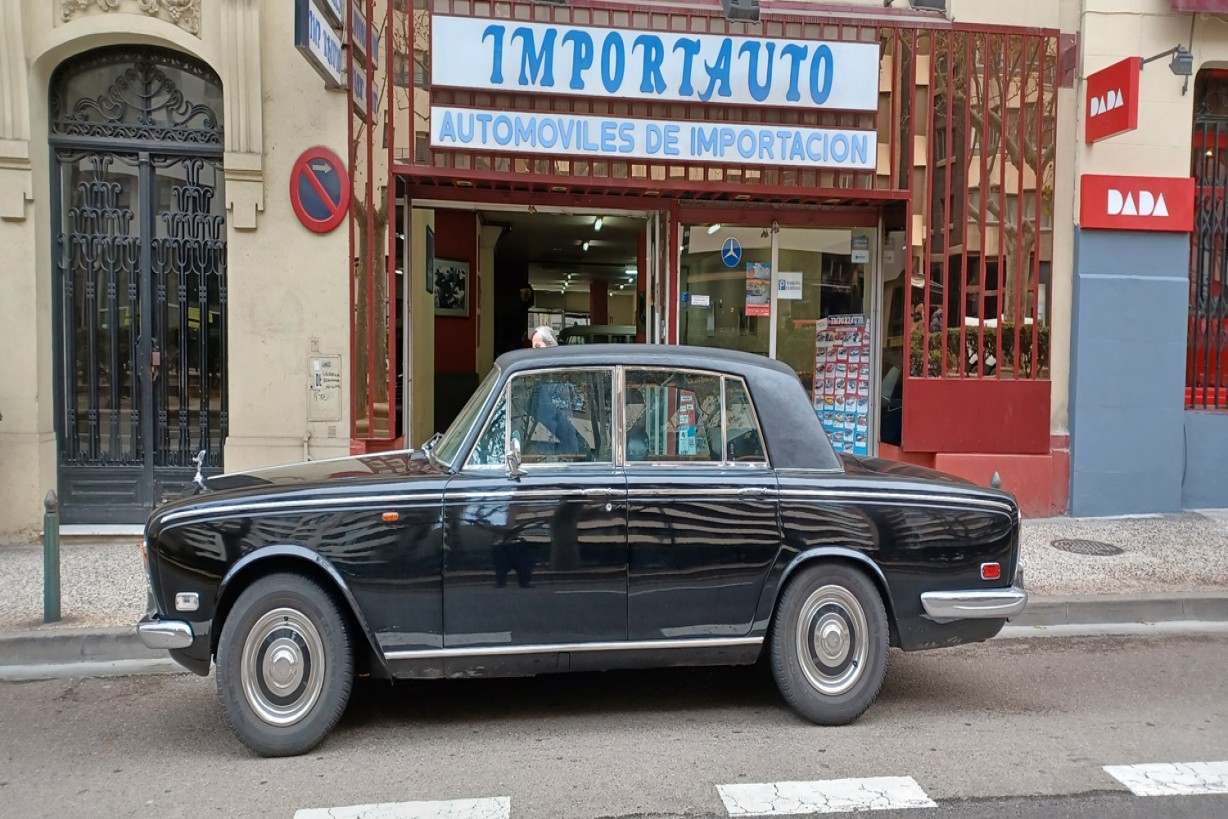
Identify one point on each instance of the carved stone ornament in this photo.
(183, 13)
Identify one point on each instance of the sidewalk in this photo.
(1124, 570)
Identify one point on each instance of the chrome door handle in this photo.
(600, 492)
(753, 490)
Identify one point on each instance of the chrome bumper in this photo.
(166, 634)
(995, 604)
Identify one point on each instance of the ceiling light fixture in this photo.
(597, 224)
(714, 228)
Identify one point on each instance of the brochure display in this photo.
(842, 381)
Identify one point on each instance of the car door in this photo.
(538, 558)
(702, 505)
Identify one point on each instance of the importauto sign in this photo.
(1152, 203)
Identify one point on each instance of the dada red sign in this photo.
(1161, 203)
(1112, 100)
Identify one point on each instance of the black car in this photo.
(592, 507)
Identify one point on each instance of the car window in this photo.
(450, 443)
(744, 441)
(562, 416)
(492, 445)
(673, 417)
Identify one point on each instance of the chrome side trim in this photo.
(871, 495)
(573, 648)
(948, 606)
(292, 505)
(165, 634)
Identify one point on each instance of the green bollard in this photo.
(51, 558)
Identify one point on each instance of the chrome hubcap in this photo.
(283, 666)
(831, 640)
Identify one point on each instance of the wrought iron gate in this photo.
(1207, 351)
(140, 251)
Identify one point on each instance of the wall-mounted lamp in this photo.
(597, 223)
(746, 11)
(1182, 63)
(585, 247)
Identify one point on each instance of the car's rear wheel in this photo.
(284, 665)
(829, 643)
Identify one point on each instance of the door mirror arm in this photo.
(513, 460)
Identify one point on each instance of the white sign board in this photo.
(587, 61)
(701, 300)
(620, 138)
(315, 38)
(789, 285)
(324, 388)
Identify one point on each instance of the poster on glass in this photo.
(842, 381)
(758, 289)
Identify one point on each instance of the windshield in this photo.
(448, 446)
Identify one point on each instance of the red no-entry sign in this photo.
(319, 189)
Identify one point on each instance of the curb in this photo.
(91, 648)
(32, 648)
(1103, 609)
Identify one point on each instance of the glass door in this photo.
(725, 287)
(804, 296)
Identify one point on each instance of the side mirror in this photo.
(513, 459)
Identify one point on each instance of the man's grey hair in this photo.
(547, 336)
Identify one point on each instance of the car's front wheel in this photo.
(829, 643)
(284, 665)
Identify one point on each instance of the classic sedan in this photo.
(592, 507)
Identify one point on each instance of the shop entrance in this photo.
(806, 296)
(582, 272)
(498, 272)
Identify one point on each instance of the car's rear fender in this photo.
(299, 560)
(823, 554)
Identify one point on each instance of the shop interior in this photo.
(496, 274)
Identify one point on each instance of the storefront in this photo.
(865, 196)
(835, 185)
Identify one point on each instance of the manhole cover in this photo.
(1094, 548)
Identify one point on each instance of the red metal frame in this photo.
(694, 192)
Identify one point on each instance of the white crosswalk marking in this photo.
(823, 796)
(1173, 779)
(496, 808)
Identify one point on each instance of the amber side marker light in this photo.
(991, 571)
(391, 517)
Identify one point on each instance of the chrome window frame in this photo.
(724, 462)
(754, 414)
(505, 394)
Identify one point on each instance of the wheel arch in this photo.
(835, 555)
(297, 560)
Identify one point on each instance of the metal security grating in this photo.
(1206, 375)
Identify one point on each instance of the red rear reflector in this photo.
(990, 571)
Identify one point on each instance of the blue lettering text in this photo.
(534, 62)
(613, 62)
(654, 52)
(496, 70)
(758, 90)
(581, 56)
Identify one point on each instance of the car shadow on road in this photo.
(662, 692)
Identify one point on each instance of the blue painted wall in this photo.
(1206, 463)
(1127, 374)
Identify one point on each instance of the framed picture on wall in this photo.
(451, 288)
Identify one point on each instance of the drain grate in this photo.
(1093, 548)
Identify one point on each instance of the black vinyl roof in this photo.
(794, 436)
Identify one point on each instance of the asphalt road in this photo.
(1012, 728)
